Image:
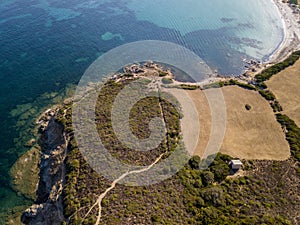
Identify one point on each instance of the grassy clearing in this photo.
(255, 133)
(285, 86)
(202, 107)
(250, 134)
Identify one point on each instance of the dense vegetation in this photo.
(207, 197)
(167, 80)
(267, 94)
(140, 116)
(293, 2)
(292, 136)
(81, 179)
(229, 83)
(266, 194)
(275, 69)
(188, 87)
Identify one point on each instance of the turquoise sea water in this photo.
(47, 44)
(253, 24)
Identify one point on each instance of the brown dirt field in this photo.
(204, 116)
(286, 87)
(253, 134)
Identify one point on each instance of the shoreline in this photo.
(290, 42)
(290, 17)
(291, 29)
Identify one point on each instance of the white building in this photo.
(235, 164)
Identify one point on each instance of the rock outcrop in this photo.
(48, 209)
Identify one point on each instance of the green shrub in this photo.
(292, 136)
(188, 87)
(293, 2)
(220, 171)
(276, 106)
(268, 95)
(248, 107)
(167, 80)
(195, 162)
(163, 74)
(208, 177)
(156, 219)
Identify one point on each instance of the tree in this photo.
(195, 162)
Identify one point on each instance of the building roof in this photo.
(236, 162)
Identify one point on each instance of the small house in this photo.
(235, 164)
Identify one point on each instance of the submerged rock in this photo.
(25, 173)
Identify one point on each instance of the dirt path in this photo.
(113, 185)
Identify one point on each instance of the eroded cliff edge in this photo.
(53, 141)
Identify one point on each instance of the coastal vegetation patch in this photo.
(275, 69)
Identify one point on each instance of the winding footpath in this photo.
(112, 186)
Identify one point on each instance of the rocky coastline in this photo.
(53, 142)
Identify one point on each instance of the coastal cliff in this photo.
(48, 207)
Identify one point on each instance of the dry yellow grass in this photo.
(204, 116)
(286, 87)
(253, 134)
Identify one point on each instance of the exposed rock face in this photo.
(47, 213)
(48, 209)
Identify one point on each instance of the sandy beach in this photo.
(291, 27)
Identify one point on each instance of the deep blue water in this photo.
(46, 45)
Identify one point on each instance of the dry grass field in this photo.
(204, 116)
(286, 87)
(250, 134)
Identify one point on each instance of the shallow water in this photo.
(254, 24)
(47, 44)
